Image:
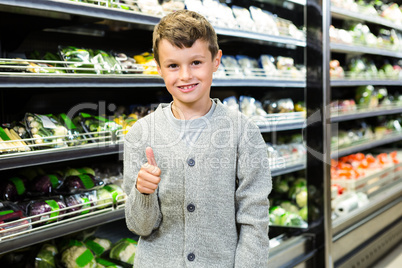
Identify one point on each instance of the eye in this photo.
(172, 66)
(197, 62)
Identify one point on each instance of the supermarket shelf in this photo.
(367, 145)
(364, 82)
(54, 155)
(365, 113)
(353, 233)
(59, 229)
(335, 47)
(80, 9)
(123, 81)
(289, 42)
(341, 13)
(291, 252)
(383, 197)
(288, 169)
(280, 121)
(90, 10)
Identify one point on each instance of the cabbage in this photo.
(124, 250)
(45, 184)
(39, 207)
(78, 256)
(116, 191)
(46, 257)
(98, 245)
(82, 182)
(105, 198)
(87, 199)
(13, 189)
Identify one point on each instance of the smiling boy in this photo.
(196, 173)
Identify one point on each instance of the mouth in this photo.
(187, 88)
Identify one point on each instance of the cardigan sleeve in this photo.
(142, 211)
(252, 204)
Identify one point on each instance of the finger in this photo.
(145, 190)
(150, 156)
(151, 169)
(145, 175)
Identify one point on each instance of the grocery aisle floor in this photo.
(392, 259)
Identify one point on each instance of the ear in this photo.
(217, 60)
(158, 68)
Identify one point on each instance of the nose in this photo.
(185, 73)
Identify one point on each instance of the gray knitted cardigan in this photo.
(211, 206)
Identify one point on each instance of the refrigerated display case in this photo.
(45, 85)
(363, 234)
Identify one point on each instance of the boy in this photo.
(196, 173)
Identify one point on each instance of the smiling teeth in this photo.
(187, 87)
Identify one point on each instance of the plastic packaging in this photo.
(43, 127)
(232, 68)
(80, 201)
(264, 21)
(243, 18)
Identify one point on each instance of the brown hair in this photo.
(182, 28)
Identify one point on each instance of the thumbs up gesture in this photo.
(149, 174)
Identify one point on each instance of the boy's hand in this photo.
(149, 174)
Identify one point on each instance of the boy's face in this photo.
(187, 72)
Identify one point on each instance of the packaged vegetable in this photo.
(46, 256)
(80, 183)
(250, 66)
(96, 126)
(268, 64)
(103, 263)
(116, 191)
(80, 201)
(10, 141)
(41, 206)
(43, 127)
(243, 18)
(9, 214)
(82, 59)
(77, 255)
(264, 21)
(129, 65)
(13, 189)
(232, 67)
(45, 184)
(107, 62)
(124, 250)
(98, 245)
(75, 132)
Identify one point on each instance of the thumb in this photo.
(150, 156)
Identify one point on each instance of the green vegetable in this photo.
(116, 192)
(303, 213)
(78, 256)
(124, 250)
(98, 245)
(46, 257)
(275, 214)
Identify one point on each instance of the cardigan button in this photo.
(191, 257)
(191, 162)
(190, 207)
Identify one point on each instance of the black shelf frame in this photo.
(41, 157)
(363, 82)
(366, 146)
(341, 13)
(59, 230)
(344, 48)
(365, 114)
(122, 81)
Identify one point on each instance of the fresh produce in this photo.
(80, 183)
(43, 128)
(116, 191)
(80, 201)
(94, 124)
(78, 256)
(12, 219)
(124, 250)
(15, 142)
(46, 256)
(146, 59)
(82, 59)
(41, 206)
(336, 70)
(107, 62)
(104, 198)
(98, 245)
(13, 189)
(46, 184)
(75, 133)
(102, 263)
(128, 64)
(78, 171)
